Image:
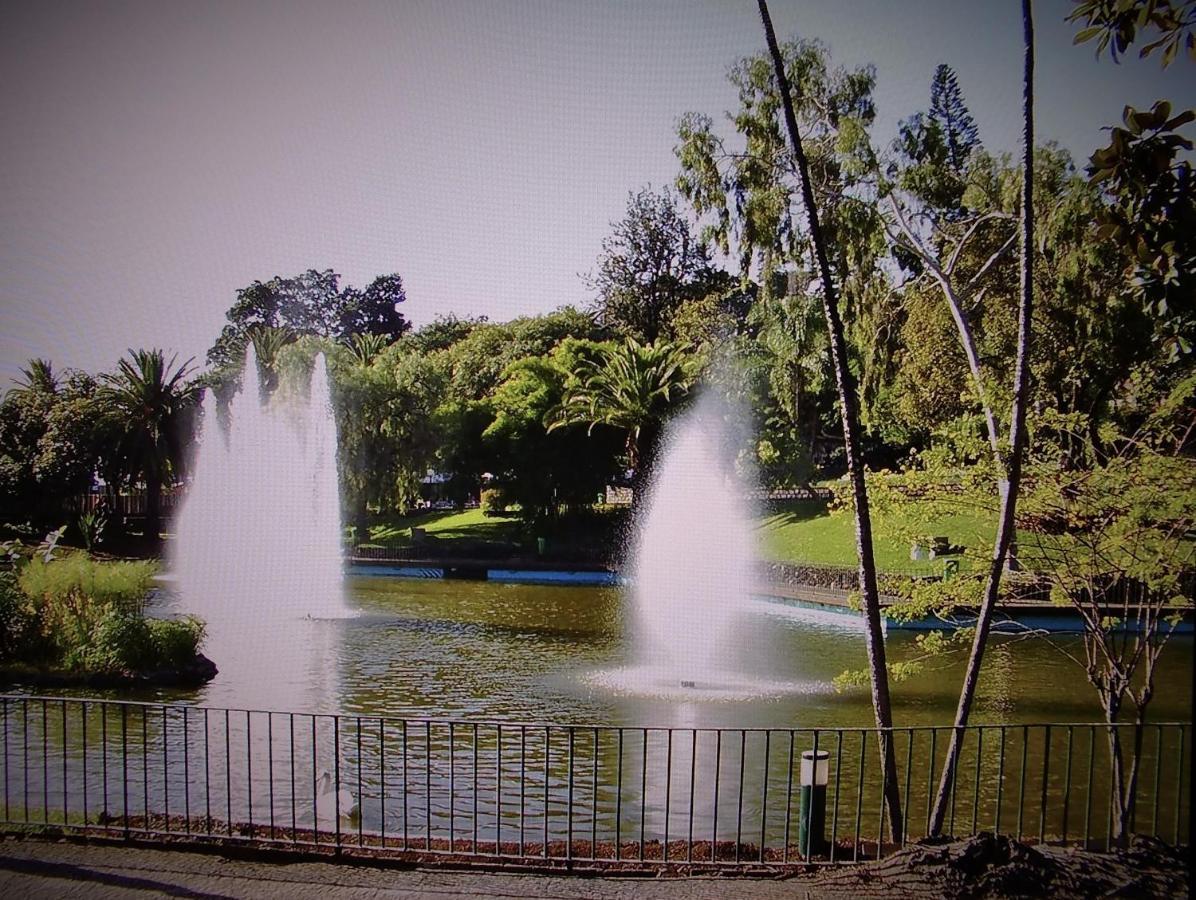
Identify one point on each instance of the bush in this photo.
(17, 625)
(121, 642)
(175, 641)
(493, 502)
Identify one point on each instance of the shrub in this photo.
(493, 502)
(121, 642)
(16, 623)
(175, 641)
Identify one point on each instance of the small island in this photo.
(67, 618)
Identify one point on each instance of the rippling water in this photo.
(538, 653)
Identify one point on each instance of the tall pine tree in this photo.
(950, 113)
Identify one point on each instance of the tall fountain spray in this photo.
(258, 537)
(694, 554)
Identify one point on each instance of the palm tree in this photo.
(267, 343)
(365, 348)
(632, 387)
(37, 378)
(147, 402)
(845, 383)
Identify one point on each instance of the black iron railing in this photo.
(558, 793)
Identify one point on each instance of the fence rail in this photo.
(556, 794)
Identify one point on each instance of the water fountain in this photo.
(257, 548)
(694, 629)
(262, 517)
(693, 556)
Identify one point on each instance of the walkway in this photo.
(31, 868)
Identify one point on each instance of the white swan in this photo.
(328, 801)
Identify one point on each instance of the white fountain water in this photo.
(258, 537)
(694, 555)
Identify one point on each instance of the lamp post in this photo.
(811, 825)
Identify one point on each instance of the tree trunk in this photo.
(361, 522)
(153, 505)
(1006, 525)
(845, 383)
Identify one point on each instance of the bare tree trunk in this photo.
(153, 504)
(1006, 526)
(874, 635)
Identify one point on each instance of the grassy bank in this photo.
(800, 531)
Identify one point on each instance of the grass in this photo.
(801, 531)
(804, 531)
(468, 525)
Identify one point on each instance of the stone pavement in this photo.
(34, 868)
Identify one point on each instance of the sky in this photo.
(155, 157)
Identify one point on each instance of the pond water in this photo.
(501, 662)
(534, 653)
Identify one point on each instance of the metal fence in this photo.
(556, 794)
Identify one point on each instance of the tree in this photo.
(1152, 212)
(535, 465)
(1010, 471)
(38, 377)
(375, 310)
(949, 112)
(1114, 542)
(1116, 24)
(747, 191)
(148, 402)
(312, 303)
(52, 436)
(845, 385)
(631, 387)
(649, 267)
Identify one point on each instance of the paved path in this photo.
(31, 868)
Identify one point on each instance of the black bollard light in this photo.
(811, 826)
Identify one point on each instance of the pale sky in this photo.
(155, 157)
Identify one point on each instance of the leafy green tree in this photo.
(1114, 542)
(536, 466)
(631, 387)
(313, 303)
(476, 365)
(52, 437)
(149, 403)
(745, 191)
(442, 332)
(38, 377)
(649, 267)
(1116, 25)
(1152, 213)
(1008, 466)
(385, 409)
(848, 405)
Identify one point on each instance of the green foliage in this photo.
(1152, 213)
(148, 405)
(1116, 25)
(631, 387)
(313, 303)
(53, 438)
(650, 267)
(74, 576)
(83, 615)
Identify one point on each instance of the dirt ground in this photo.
(982, 866)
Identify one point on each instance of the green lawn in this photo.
(796, 531)
(803, 531)
(469, 524)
